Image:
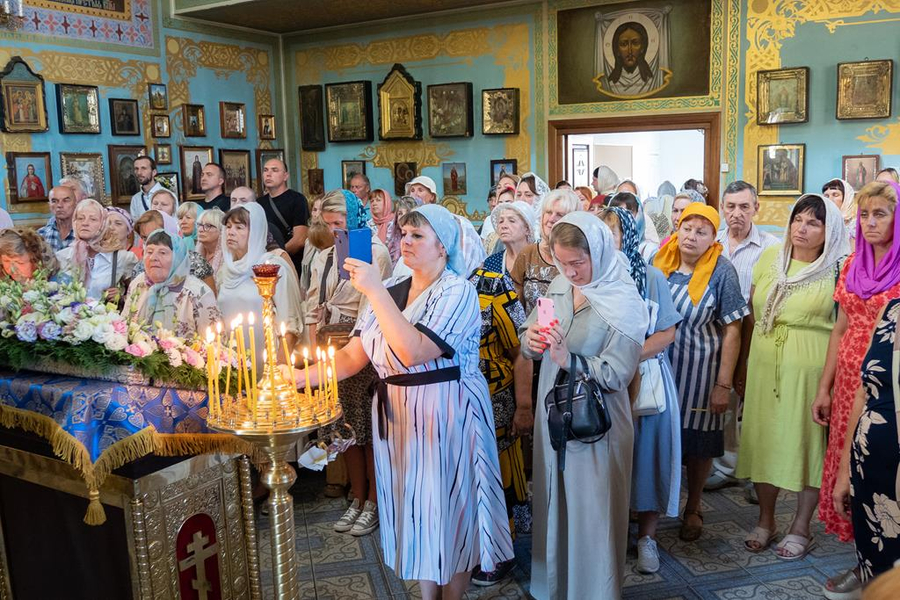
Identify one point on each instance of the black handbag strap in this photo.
(328, 263)
(278, 214)
(115, 263)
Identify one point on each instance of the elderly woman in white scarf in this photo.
(794, 313)
(166, 295)
(580, 534)
(514, 224)
(244, 245)
(435, 430)
(843, 195)
(98, 257)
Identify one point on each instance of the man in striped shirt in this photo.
(743, 243)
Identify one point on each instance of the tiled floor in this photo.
(341, 567)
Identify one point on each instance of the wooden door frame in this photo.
(710, 123)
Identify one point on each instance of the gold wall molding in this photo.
(424, 153)
(885, 137)
(460, 207)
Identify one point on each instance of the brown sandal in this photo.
(690, 533)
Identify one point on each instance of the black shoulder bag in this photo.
(576, 410)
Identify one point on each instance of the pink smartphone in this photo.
(546, 312)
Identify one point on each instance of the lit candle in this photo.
(243, 373)
(330, 397)
(6, 7)
(210, 402)
(218, 370)
(228, 358)
(294, 382)
(309, 396)
(333, 377)
(21, 11)
(320, 370)
(253, 383)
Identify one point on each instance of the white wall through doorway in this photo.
(648, 157)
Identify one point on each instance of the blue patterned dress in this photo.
(440, 495)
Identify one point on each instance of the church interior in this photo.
(132, 482)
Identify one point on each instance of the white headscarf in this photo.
(637, 188)
(235, 272)
(849, 207)
(612, 292)
(836, 246)
(523, 209)
(607, 180)
(541, 189)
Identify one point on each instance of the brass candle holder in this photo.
(269, 412)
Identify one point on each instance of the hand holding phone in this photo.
(356, 243)
(546, 312)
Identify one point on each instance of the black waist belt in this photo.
(408, 380)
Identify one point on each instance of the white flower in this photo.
(174, 357)
(887, 512)
(65, 316)
(83, 331)
(31, 296)
(117, 342)
(102, 333)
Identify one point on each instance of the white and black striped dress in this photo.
(696, 351)
(440, 495)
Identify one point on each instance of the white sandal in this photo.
(797, 545)
(761, 536)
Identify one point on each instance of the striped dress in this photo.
(440, 496)
(696, 351)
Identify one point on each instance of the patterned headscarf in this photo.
(631, 242)
(357, 214)
(178, 272)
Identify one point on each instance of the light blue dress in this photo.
(656, 469)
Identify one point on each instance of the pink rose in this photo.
(135, 350)
(120, 327)
(167, 344)
(193, 358)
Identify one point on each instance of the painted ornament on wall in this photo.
(644, 49)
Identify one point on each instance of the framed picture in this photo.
(123, 182)
(579, 166)
(30, 176)
(500, 111)
(864, 89)
(400, 106)
(24, 106)
(159, 97)
(450, 110)
(782, 96)
(349, 168)
(505, 166)
(780, 170)
(232, 120)
(264, 155)
(860, 169)
(88, 168)
(79, 108)
(124, 116)
(194, 120)
(312, 118)
(349, 111)
(163, 154)
(168, 181)
(454, 179)
(266, 127)
(161, 128)
(193, 159)
(404, 172)
(315, 182)
(237, 167)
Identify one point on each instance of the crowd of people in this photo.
(716, 347)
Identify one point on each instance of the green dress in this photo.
(780, 443)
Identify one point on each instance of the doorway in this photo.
(648, 149)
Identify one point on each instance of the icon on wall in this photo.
(450, 110)
(404, 172)
(194, 116)
(312, 118)
(123, 181)
(88, 168)
(23, 106)
(454, 179)
(30, 176)
(79, 108)
(159, 97)
(781, 169)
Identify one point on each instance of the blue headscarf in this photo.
(631, 243)
(357, 215)
(178, 272)
(447, 229)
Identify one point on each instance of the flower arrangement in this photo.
(56, 320)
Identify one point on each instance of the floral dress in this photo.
(861, 315)
(875, 456)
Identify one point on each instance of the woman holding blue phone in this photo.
(440, 497)
(333, 304)
(580, 531)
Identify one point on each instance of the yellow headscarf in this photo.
(668, 259)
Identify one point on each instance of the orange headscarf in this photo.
(668, 259)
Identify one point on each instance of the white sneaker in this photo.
(346, 522)
(367, 521)
(648, 555)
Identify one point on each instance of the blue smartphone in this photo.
(356, 243)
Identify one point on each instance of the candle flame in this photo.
(239, 319)
(250, 319)
(218, 327)
(283, 328)
(305, 352)
(209, 335)
(330, 351)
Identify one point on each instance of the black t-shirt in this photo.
(222, 202)
(294, 211)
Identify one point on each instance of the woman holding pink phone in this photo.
(580, 530)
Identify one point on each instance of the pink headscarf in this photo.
(865, 278)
